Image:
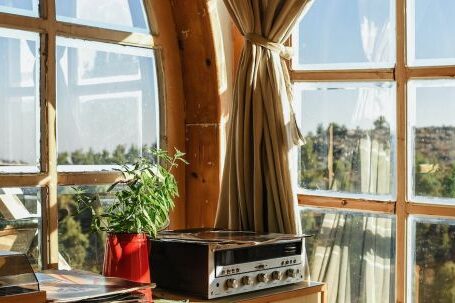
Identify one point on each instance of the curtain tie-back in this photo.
(284, 51)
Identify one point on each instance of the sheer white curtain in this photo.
(353, 252)
(353, 255)
(377, 37)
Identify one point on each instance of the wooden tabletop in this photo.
(267, 295)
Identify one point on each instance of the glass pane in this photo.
(20, 7)
(107, 104)
(353, 252)
(431, 28)
(79, 248)
(337, 34)
(431, 265)
(19, 101)
(349, 130)
(20, 222)
(124, 15)
(432, 131)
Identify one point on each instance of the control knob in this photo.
(232, 283)
(246, 280)
(277, 275)
(262, 278)
(290, 273)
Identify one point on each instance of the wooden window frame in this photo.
(48, 179)
(402, 207)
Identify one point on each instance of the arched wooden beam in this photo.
(204, 83)
(174, 108)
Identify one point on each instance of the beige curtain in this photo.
(257, 191)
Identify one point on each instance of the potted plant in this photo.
(141, 206)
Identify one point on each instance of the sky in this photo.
(349, 105)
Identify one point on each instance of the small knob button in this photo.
(262, 278)
(277, 275)
(290, 273)
(246, 280)
(232, 283)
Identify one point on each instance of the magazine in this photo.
(75, 286)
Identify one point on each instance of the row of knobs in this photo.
(263, 278)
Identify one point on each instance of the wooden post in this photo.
(203, 86)
(330, 158)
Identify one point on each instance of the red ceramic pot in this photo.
(127, 256)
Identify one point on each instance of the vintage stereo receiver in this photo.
(218, 263)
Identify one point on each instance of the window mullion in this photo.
(28, 180)
(343, 75)
(104, 35)
(151, 18)
(347, 203)
(22, 22)
(83, 178)
(431, 72)
(50, 239)
(430, 210)
(401, 79)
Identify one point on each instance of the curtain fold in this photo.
(257, 187)
(354, 255)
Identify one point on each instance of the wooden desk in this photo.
(305, 292)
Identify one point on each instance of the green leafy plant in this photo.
(142, 199)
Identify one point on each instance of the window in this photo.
(349, 129)
(350, 34)
(118, 85)
(19, 101)
(111, 14)
(374, 97)
(20, 7)
(430, 24)
(20, 219)
(431, 267)
(80, 248)
(74, 102)
(432, 135)
(354, 247)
